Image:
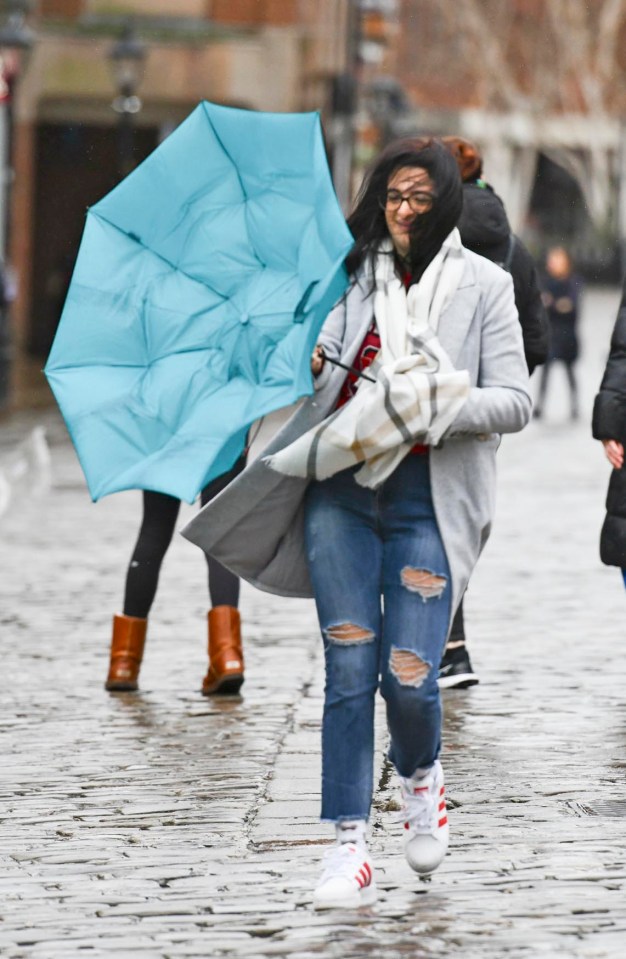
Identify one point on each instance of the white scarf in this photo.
(417, 393)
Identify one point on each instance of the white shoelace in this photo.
(421, 808)
(340, 862)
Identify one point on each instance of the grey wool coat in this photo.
(255, 526)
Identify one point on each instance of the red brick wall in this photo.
(61, 8)
(254, 12)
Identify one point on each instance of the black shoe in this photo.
(455, 669)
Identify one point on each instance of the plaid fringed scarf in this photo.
(417, 393)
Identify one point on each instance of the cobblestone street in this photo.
(163, 825)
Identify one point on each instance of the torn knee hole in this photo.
(349, 633)
(422, 581)
(408, 668)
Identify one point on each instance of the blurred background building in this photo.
(541, 86)
(89, 87)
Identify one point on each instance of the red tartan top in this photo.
(364, 357)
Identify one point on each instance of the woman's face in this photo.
(409, 194)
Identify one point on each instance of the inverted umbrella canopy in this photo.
(200, 286)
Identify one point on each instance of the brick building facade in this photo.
(540, 85)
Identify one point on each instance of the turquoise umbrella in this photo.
(200, 286)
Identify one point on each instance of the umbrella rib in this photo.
(113, 364)
(159, 256)
(227, 154)
(241, 184)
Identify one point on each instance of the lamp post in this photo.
(127, 58)
(16, 40)
(355, 134)
(344, 107)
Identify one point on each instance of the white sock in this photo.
(351, 830)
(420, 774)
(418, 777)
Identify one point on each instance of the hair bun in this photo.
(467, 156)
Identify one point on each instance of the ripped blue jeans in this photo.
(369, 551)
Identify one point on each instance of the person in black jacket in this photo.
(485, 229)
(609, 425)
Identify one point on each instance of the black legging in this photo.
(571, 379)
(157, 528)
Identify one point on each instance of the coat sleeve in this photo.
(501, 401)
(331, 339)
(609, 408)
(532, 313)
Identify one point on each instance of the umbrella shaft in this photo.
(350, 369)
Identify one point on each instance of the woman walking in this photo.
(381, 508)
(561, 293)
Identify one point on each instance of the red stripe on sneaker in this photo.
(442, 805)
(421, 789)
(442, 821)
(368, 872)
(442, 790)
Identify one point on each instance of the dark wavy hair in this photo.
(428, 230)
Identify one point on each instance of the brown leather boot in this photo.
(129, 636)
(225, 674)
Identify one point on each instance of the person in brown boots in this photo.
(225, 674)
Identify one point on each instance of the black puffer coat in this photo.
(561, 297)
(609, 423)
(485, 229)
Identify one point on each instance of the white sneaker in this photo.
(425, 821)
(348, 878)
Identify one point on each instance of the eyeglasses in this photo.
(419, 202)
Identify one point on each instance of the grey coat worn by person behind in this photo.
(255, 527)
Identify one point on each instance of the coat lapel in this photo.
(359, 314)
(454, 322)
(456, 319)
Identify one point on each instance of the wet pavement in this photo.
(164, 825)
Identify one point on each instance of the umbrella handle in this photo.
(350, 369)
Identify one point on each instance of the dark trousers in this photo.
(571, 379)
(160, 512)
(457, 631)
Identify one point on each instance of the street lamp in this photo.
(16, 41)
(127, 58)
(345, 95)
(367, 30)
(14, 33)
